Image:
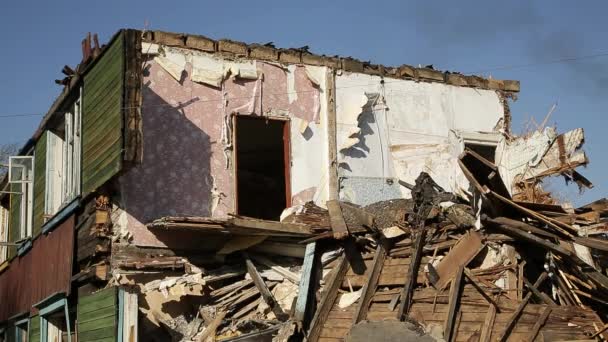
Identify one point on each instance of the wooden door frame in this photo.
(286, 155)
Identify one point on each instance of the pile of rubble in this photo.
(437, 267)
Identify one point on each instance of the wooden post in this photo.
(306, 282)
(327, 299)
(370, 286)
(264, 291)
(412, 275)
(332, 154)
(449, 333)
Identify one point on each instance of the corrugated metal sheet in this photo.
(102, 121)
(39, 184)
(42, 271)
(97, 316)
(14, 218)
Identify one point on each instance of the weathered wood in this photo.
(336, 220)
(523, 226)
(212, 327)
(327, 299)
(412, 274)
(537, 293)
(304, 301)
(264, 291)
(475, 283)
(449, 332)
(539, 324)
(462, 253)
(488, 325)
(369, 289)
(330, 87)
(513, 319)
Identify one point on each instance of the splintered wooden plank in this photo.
(482, 292)
(327, 299)
(336, 220)
(455, 288)
(369, 289)
(513, 318)
(462, 253)
(264, 291)
(412, 275)
(488, 325)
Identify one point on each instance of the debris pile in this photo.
(436, 267)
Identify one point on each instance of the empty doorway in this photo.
(262, 167)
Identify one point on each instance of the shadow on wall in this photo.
(361, 149)
(174, 178)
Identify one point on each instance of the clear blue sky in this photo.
(467, 36)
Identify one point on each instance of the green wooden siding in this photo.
(102, 119)
(98, 316)
(39, 184)
(34, 332)
(14, 226)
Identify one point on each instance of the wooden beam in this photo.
(306, 284)
(475, 282)
(523, 226)
(449, 333)
(513, 319)
(336, 220)
(539, 324)
(537, 293)
(488, 325)
(559, 226)
(264, 291)
(412, 274)
(327, 299)
(369, 289)
(332, 131)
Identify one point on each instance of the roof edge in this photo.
(231, 48)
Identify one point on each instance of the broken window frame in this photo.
(22, 327)
(47, 311)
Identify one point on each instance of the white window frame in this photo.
(4, 214)
(64, 162)
(26, 192)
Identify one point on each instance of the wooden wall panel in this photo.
(39, 184)
(102, 121)
(98, 316)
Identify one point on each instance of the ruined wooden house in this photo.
(167, 155)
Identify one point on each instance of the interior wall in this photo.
(188, 99)
(394, 129)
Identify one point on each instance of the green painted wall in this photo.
(98, 316)
(14, 219)
(34, 331)
(39, 184)
(102, 119)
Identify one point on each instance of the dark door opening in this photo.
(486, 151)
(262, 167)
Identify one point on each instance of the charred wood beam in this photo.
(449, 333)
(327, 299)
(520, 308)
(264, 291)
(412, 274)
(369, 289)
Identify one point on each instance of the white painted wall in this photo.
(411, 127)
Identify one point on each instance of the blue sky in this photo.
(494, 38)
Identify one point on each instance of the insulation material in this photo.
(207, 70)
(541, 154)
(410, 130)
(173, 63)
